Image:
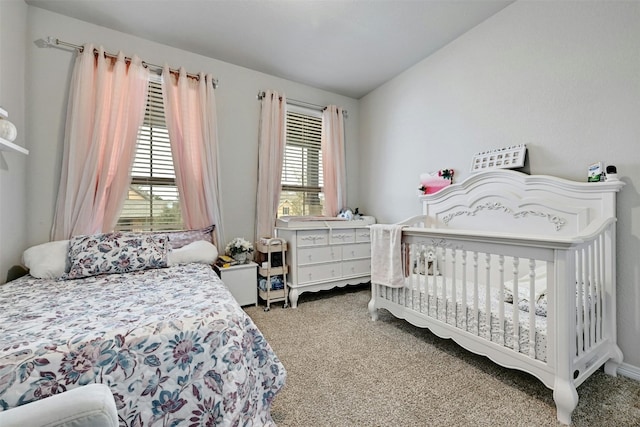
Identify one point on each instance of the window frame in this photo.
(316, 191)
(154, 118)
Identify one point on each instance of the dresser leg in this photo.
(293, 297)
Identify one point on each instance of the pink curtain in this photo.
(333, 161)
(190, 110)
(106, 107)
(271, 142)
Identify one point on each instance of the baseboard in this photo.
(629, 371)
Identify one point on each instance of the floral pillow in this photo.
(109, 253)
(540, 306)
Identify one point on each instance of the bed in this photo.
(518, 268)
(170, 341)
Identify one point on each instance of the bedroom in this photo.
(575, 64)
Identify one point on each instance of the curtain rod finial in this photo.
(48, 41)
(41, 43)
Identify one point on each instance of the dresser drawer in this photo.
(318, 273)
(339, 236)
(312, 237)
(363, 235)
(358, 250)
(357, 267)
(319, 254)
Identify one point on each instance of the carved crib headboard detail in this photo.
(513, 202)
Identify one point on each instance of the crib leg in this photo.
(611, 365)
(372, 304)
(373, 310)
(566, 398)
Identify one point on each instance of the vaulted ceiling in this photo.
(349, 47)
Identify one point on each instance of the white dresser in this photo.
(326, 254)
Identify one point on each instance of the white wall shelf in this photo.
(10, 146)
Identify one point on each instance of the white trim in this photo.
(304, 110)
(629, 371)
(6, 145)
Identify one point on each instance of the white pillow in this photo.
(48, 260)
(199, 251)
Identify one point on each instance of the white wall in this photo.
(562, 77)
(238, 116)
(13, 166)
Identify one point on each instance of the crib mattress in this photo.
(465, 317)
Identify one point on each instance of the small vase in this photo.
(241, 257)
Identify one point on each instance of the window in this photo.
(153, 202)
(302, 163)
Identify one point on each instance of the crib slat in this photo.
(442, 273)
(422, 283)
(585, 296)
(487, 302)
(532, 308)
(476, 312)
(579, 310)
(454, 293)
(464, 290)
(516, 311)
(501, 331)
(591, 298)
(423, 301)
(411, 254)
(599, 288)
(434, 282)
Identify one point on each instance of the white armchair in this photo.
(88, 406)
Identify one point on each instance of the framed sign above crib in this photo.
(500, 158)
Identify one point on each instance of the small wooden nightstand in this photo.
(241, 281)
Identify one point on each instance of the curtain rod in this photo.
(53, 41)
(303, 104)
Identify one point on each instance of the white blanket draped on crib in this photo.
(386, 255)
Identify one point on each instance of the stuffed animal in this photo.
(424, 263)
(346, 213)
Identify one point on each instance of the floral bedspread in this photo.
(172, 343)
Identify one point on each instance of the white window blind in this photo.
(302, 164)
(153, 202)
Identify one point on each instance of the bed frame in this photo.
(497, 230)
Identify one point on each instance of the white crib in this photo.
(548, 243)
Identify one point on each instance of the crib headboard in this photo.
(513, 202)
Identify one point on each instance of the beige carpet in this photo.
(345, 370)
